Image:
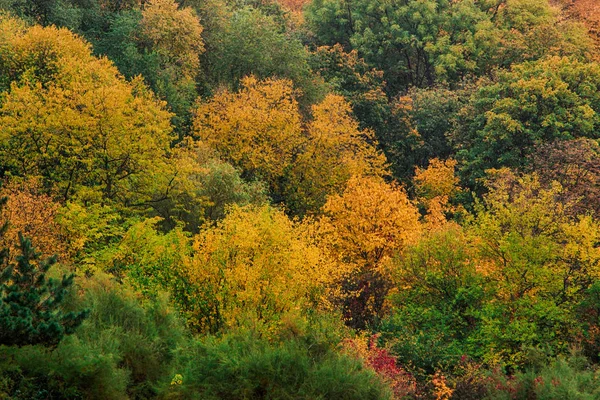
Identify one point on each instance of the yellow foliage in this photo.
(175, 33)
(258, 263)
(529, 241)
(257, 129)
(335, 150)
(71, 118)
(435, 185)
(369, 222)
(260, 131)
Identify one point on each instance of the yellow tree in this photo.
(540, 259)
(435, 186)
(257, 264)
(70, 118)
(363, 228)
(335, 149)
(176, 34)
(257, 129)
(260, 131)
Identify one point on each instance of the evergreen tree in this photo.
(30, 311)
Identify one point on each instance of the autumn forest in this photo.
(300, 199)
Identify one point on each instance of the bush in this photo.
(123, 350)
(563, 378)
(245, 365)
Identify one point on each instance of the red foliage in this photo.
(384, 364)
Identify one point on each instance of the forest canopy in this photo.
(299, 199)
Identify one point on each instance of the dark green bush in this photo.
(123, 350)
(245, 365)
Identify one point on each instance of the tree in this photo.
(533, 103)
(72, 119)
(419, 43)
(362, 86)
(174, 35)
(438, 290)
(34, 214)
(435, 187)
(257, 265)
(541, 262)
(575, 164)
(30, 308)
(256, 130)
(260, 131)
(363, 228)
(248, 42)
(334, 150)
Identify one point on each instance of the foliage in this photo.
(335, 149)
(363, 228)
(301, 166)
(123, 350)
(384, 364)
(36, 216)
(350, 76)
(252, 43)
(575, 165)
(562, 378)
(541, 260)
(438, 290)
(235, 125)
(246, 366)
(30, 308)
(92, 135)
(257, 265)
(533, 103)
(436, 186)
(420, 43)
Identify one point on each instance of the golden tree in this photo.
(258, 264)
(257, 129)
(335, 149)
(70, 118)
(435, 186)
(175, 33)
(363, 228)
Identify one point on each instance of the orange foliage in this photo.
(335, 150)
(34, 214)
(260, 131)
(369, 222)
(435, 185)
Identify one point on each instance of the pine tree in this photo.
(30, 304)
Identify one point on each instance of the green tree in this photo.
(30, 307)
(251, 43)
(533, 103)
(418, 43)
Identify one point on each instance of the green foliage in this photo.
(245, 366)
(123, 350)
(251, 43)
(30, 308)
(564, 378)
(533, 103)
(418, 43)
(436, 311)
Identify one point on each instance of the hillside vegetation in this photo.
(305, 199)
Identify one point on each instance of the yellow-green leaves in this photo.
(70, 118)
